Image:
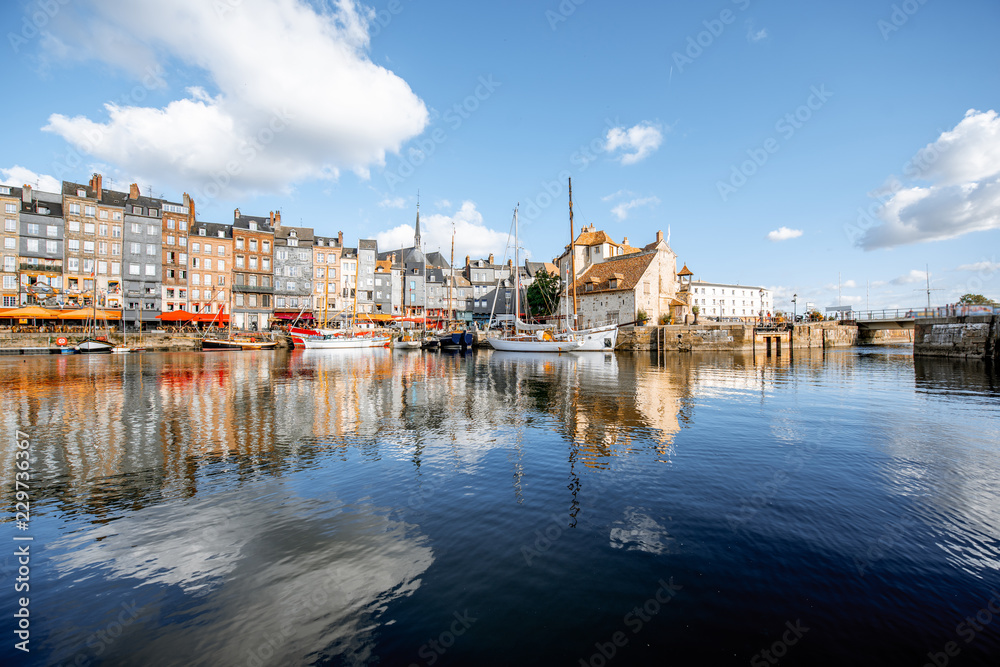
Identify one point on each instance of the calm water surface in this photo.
(399, 508)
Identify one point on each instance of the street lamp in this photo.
(762, 306)
(795, 305)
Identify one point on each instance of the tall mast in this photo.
(572, 252)
(326, 292)
(357, 262)
(517, 274)
(451, 291)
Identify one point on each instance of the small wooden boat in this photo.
(238, 343)
(94, 346)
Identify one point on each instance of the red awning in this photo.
(292, 316)
(175, 316)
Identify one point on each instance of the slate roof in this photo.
(301, 233)
(212, 229)
(629, 269)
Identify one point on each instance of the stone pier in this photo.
(971, 337)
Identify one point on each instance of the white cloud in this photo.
(783, 234)
(472, 236)
(443, 203)
(18, 176)
(914, 276)
(621, 211)
(635, 143)
(754, 36)
(396, 202)
(295, 96)
(985, 266)
(616, 195)
(963, 169)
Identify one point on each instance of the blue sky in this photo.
(783, 144)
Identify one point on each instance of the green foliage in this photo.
(665, 318)
(641, 317)
(695, 309)
(543, 295)
(976, 300)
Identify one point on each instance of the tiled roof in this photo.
(301, 233)
(628, 268)
(593, 238)
(685, 271)
(368, 244)
(383, 266)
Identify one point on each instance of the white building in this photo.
(721, 301)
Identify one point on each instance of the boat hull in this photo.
(406, 344)
(598, 339)
(227, 344)
(529, 345)
(94, 347)
(341, 343)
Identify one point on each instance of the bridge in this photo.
(888, 318)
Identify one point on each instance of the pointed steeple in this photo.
(416, 233)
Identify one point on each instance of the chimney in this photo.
(625, 241)
(236, 214)
(340, 239)
(659, 235)
(491, 258)
(133, 191)
(277, 219)
(26, 194)
(468, 261)
(95, 185)
(190, 206)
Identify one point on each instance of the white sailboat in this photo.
(529, 337)
(91, 344)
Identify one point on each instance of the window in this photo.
(195, 247)
(201, 231)
(266, 246)
(88, 228)
(10, 225)
(116, 268)
(239, 243)
(9, 283)
(51, 231)
(253, 262)
(252, 280)
(151, 269)
(74, 245)
(208, 265)
(170, 223)
(88, 266)
(279, 302)
(103, 215)
(73, 264)
(222, 281)
(182, 241)
(182, 259)
(221, 265)
(8, 263)
(291, 285)
(150, 249)
(51, 247)
(293, 242)
(90, 211)
(102, 229)
(266, 264)
(221, 251)
(253, 226)
(133, 269)
(88, 247)
(152, 229)
(194, 263)
(281, 255)
(321, 257)
(102, 268)
(208, 248)
(74, 208)
(116, 248)
(239, 300)
(33, 229)
(102, 248)
(116, 216)
(253, 245)
(239, 261)
(196, 294)
(182, 294)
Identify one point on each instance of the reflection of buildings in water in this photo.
(340, 566)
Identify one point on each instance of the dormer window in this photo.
(80, 192)
(292, 233)
(589, 287)
(222, 234)
(202, 231)
(613, 283)
(253, 225)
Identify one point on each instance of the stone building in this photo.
(725, 302)
(253, 254)
(94, 226)
(41, 247)
(490, 286)
(367, 256)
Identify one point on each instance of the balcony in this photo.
(252, 289)
(51, 267)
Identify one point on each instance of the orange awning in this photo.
(88, 313)
(175, 316)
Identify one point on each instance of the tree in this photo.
(976, 300)
(543, 294)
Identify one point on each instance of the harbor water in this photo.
(425, 508)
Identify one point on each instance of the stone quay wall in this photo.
(152, 342)
(971, 337)
(736, 337)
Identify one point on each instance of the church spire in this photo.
(416, 234)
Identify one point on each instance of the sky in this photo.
(837, 151)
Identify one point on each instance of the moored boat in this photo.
(238, 343)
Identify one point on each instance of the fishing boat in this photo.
(525, 337)
(457, 340)
(406, 342)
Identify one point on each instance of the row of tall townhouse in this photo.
(147, 255)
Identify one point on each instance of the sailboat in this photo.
(601, 338)
(338, 339)
(529, 337)
(91, 344)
